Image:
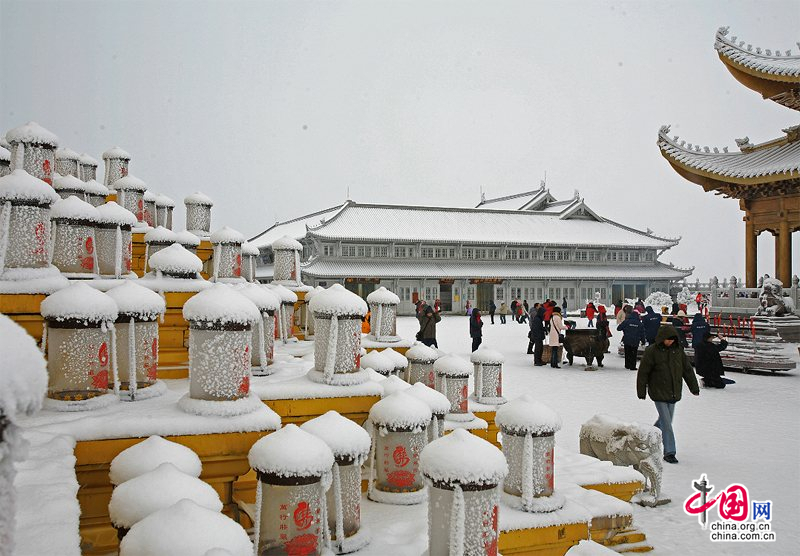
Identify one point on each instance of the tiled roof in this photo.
(510, 202)
(765, 61)
(781, 161)
(295, 228)
(441, 225)
(386, 268)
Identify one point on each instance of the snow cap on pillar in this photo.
(286, 295)
(112, 213)
(263, 298)
(420, 353)
(463, 458)
(19, 185)
(337, 300)
(79, 301)
(116, 152)
(147, 455)
(524, 415)
(452, 366)
(227, 235)
(288, 243)
(185, 528)
(32, 133)
(221, 304)
(393, 384)
(436, 401)
(346, 439)
(487, 356)
(176, 260)
(378, 362)
(400, 411)
(291, 452)
(382, 296)
(137, 301)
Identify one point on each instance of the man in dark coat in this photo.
(536, 336)
(427, 326)
(514, 304)
(699, 328)
(652, 321)
(475, 328)
(708, 362)
(632, 335)
(664, 368)
(492, 309)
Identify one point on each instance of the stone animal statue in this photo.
(585, 343)
(771, 298)
(621, 443)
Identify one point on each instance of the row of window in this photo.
(490, 253)
(531, 294)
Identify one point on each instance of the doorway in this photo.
(446, 296)
(485, 295)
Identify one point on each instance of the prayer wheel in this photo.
(96, 193)
(114, 240)
(67, 163)
(33, 149)
(286, 270)
(149, 208)
(438, 404)
(130, 195)
(198, 213)
(285, 315)
(156, 240)
(249, 261)
(420, 365)
(87, 168)
(263, 351)
(227, 259)
(116, 163)
(488, 376)
(452, 380)
(164, 208)
(73, 223)
(383, 310)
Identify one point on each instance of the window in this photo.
(364, 251)
(328, 250)
(400, 252)
(649, 256)
(445, 252)
(480, 253)
(524, 254)
(493, 254)
(635, 255)
(348, 250)
(404, 293)
(499, 293)
(516, 292)
(380, 251)
(467, 253)
(562, 255)
(426, 252)
(471, 293)
(512, 254)
(549, 255)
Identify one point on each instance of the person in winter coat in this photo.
(632, 335)
(603, 331)
(536, 336)
(708, 362)
(504, 310)
(492, 310)
(664, 367)
(469, 308)
(675, 308)
(522, 314)
(590, 310)
(365, 327)
(680, 322)
(623, 314)
(564, 305)
(475, 328)
(514, 304)
(548, 312)
(652, 322)
(427, 326)
(699, 328)
(556, 328)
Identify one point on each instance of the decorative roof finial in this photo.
(664, 129)
(743, 143)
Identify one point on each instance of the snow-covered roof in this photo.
(262, 297)
(185, 528)
(461, 457)
(135, 300)
(344, 437)
(79, 301)
(148, 454)
(510, 202)
(400, 360)
(86, 159)
(249, 249)
(175, 259)
(295, 228)
(23, 373)
(399, 223)
(32, 133)
(419, 353)
(378, 361)
(772, 161)
(227, 235)
(155, 490)
(5, 154)
(435, 400)
(19, 185)
(291, 452)
(198, 198)
(116, 152)
(387, 268)
(112, 213)
(94, 187)
(164, 201)
(221, 303)
(65, 153)
(526, 415)
(68, 183)
(73, 208)
(400, 411)
(129, 182)
(185, 237)
(775, 63)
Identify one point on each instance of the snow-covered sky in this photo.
(279, 108)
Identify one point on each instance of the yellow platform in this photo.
(23, 308)
(401, 350)
(224, 458)
(173, 337)
(543, 541)
(489, 434)
(623, 491)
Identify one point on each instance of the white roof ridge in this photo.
(309, 215)
(746, 56)
(673, 241)
(510, 197)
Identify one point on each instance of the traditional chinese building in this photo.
(530, 246)
(764, 177)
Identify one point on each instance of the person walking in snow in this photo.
(475, 328)
(427, 326)
(504, 311)
(664, 368)
(564, 305)
(514, 304)
(536, 336)
(632, 335)
(492, 310)
(554, 338)
(590, 310)
(652, 322)
(603, 331)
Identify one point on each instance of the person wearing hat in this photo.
(632, 335)
(427, 326)
(679, 321)
(603, 331)
(554, 338)
(708, 361)
(663, 370)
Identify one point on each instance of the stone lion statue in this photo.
(771, 298)
(621, 443)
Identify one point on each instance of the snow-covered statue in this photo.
(683, 297)
(771, 299)
(609, 439)
(657, 300)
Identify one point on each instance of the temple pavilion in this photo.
(529, 246)
(765, 177)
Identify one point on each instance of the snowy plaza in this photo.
(399, 278)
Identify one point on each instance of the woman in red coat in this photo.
(590, 310)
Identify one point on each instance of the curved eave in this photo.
(767, 85)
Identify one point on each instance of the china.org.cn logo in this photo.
(741, 519)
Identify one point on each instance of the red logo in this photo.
(462, 399)
(500, 384)
(102, 355)
(123, 171)
(400, 456)
(40, 233)
(151, 362)
(401, 478)
(733, 503)
(46, 170)
(244, 385)
(302, 516)
(302, 545)
(237, 266)
(100, 380)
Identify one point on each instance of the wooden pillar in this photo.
(784, 254)
(750, 253)
(778, 262)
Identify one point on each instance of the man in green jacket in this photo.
(664, 364)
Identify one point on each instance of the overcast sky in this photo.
(276, 109)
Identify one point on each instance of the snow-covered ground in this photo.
(746, 434)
